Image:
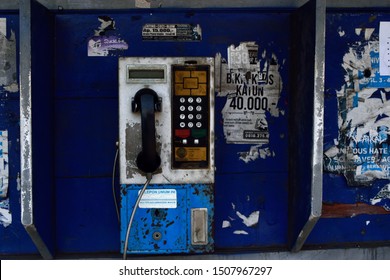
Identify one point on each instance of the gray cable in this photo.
(113, 185)
(148, 179)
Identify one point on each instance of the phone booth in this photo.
(166, 143)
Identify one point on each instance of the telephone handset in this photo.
(148, 102)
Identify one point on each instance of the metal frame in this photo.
(306, 121)
(198, 4)
(27, 197)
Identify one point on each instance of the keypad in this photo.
(190, 116)
(187, 112)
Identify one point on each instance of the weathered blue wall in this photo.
(86, 104)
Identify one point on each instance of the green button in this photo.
(198, 133)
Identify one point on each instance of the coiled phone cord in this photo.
(148, 179)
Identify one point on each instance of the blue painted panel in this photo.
(86, 220)
(362, 230)
(264, 195)
(86, 133)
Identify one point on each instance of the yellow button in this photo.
(191, 83)
(201, 90)
(179, 90)
(180, 75)
(190, 154)
(201, 75)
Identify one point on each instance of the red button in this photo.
(182, 133)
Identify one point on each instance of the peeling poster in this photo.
(4, 163)
(238, 223)
(252, 88)
(362, 151)
(5, 213)
(8, 74)
(382, 198)
(105, 42)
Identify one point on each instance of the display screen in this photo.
(146, 73)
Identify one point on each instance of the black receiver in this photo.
(148, 102)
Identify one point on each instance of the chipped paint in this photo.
(5, 213)
(240, 232)
(4, 170)
(238, 222)
(226, 224)
(256, 152)
(8, 75)
(105, 42)
(252, 89)
(251, 220)
(362, 151)
(341, 32)
(382, 198)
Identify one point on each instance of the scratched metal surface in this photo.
(364, 221)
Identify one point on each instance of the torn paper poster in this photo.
(382, 198)
(8, 74)
(5, 213)
(105, 42)
(252, 85)
(4, 174)
(362, 152)
(256, 152)
(252, 89)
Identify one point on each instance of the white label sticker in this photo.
(159, 198)
(171, 32)
(384, 48)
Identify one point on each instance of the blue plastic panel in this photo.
(173, 224)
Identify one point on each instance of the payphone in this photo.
(166, 145)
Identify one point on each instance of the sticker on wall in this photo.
(159, 198)
(8, 74)
(362, 151)
(106, 42)
(171, 32)
(252, 89)
(5, 213)
(4, 163)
